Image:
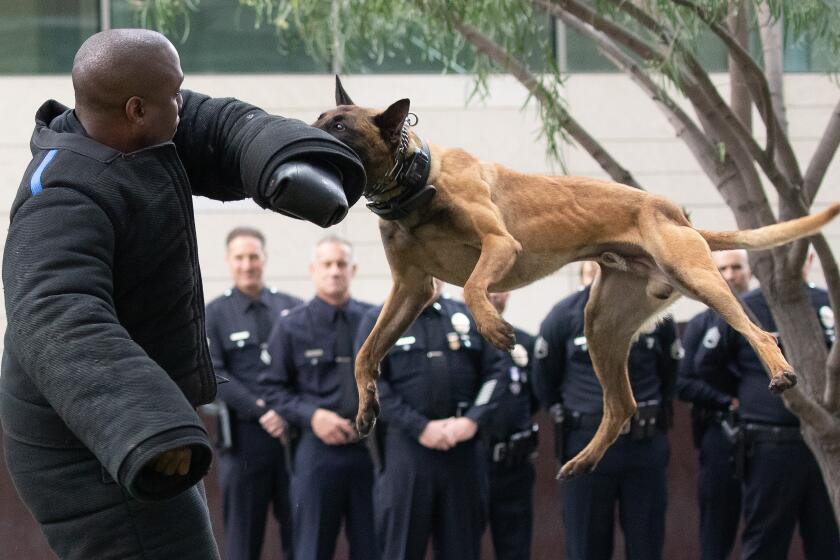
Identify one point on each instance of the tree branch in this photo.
(712, 110)
(759, 90)
(822, 157)
(810, 412)
(501, 57)
(723, 174)
(831, 398)
(722, 115)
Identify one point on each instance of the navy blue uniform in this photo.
(511, 439)
(632, 471)
(782, 481)
(441, 367)
(252, 472)
(311, 351)
(718, 485)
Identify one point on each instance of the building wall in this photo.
(503, 128)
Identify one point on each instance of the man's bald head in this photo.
(114, 65)
(126, 83)
(734, 266)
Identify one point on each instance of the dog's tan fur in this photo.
(492, 229)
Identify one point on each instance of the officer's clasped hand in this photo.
(308, 191)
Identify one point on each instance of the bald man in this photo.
(105, 353)
(713, 402)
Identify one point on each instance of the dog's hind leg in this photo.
(498, 255)
(619, 304)
(687, 261)
(412, 290)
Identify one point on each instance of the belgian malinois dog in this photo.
(448, 215)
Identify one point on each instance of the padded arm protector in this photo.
(307, 191)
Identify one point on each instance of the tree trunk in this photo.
(739, 92)
(803, 343)
(827, 453)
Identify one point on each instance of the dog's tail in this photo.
(770, 236)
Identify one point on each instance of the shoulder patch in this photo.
(711, 338)
(485, 393)
(540, 348)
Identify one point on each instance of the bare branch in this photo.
(823, 155)
(739, 95)
(831, 398)
(491, 49)
(810, 412)
(723, 173)
(724, 115)
(772, 48)
(760, 91)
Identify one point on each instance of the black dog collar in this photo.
(411, 175)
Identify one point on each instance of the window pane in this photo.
(42, 36)
(222, 38)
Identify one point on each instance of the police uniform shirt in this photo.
(236, 347)
(440, 364)
(517, 400)
(714, 389)
(305, 372)
(726, 345)
(564, 371)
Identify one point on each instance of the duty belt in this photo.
(516, 448)
(771, 433)
(642, 425)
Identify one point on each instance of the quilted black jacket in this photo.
(105, 345)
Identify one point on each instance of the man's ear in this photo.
(135, 110)
(341, 97)
(391, 120)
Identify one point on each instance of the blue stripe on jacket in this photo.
(35, 182)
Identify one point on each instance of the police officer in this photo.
(252, 474)
(511, 438)
(437, 385)
(632, 471)
(310, 383)
(714, 420)
(782, 483)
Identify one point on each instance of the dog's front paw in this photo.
(500, 333)
(368, 410)
(582, 463)
(782, 382)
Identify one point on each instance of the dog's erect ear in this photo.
(341, 97)
(390, 121)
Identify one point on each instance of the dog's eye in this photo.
(339, 126)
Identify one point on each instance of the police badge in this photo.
(540, 348)
(519, 355)
(461, 323)
(827, 317)
(711, 338)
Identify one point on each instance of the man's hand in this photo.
(331, 428)
(460, 429)
(272, 423)
(434, 435)
(173, 461)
